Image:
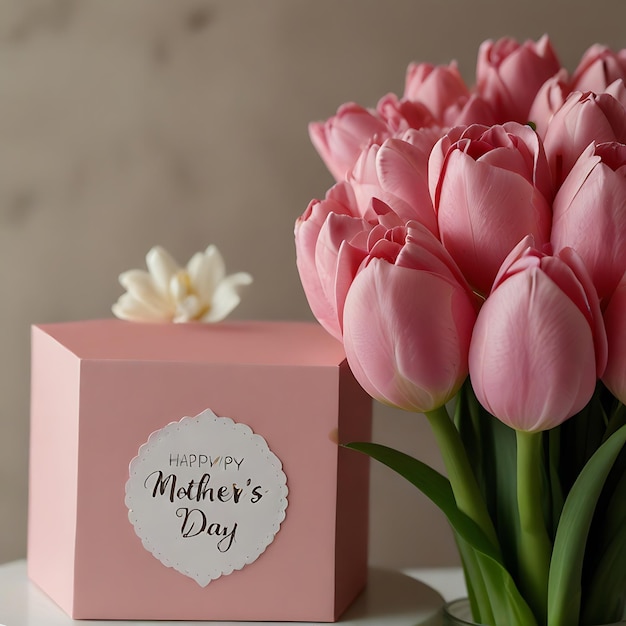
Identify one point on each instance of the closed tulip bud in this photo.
(549, 99)
(408, 319)
(339, 201)
(583, 118)
(509, 75)
(590, 214)
(397, 174)
(539, 342)
(401, 115)
(474, 110)
(439, 87)
(341, 138)
(598, 68)
(490, 187)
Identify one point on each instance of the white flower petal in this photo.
(222, 307)
(204, 276)
(240, 279)
(168, 292)
(188, 309)
(226, 297)
(217, 261)
(179, 286)
(162, 266)
(140, 285)
(128, 308)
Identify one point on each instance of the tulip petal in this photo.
(483, 213)
(403, 171)
(531, 360)
(162, 267)
(615, 320)
(406, 335)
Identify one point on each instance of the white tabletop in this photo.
(392, 598)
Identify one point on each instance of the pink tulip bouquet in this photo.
(472, 259)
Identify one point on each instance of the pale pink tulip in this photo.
(617, 89)
(615, 320)
(585, 117)
(549, 99)
(339, 201)
(400, 115)
(509, 75)
(598, 68)
(408, 319)
(590, 214)
(475, 110)
(332, 240)
(490, 187)
(439, 87)
(340, 139)
(539, 342)
(397, 174)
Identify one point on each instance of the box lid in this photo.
(252, 342)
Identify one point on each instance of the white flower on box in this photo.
(201, 291)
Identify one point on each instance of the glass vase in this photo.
(459, 613)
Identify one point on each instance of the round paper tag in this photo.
(206, 496)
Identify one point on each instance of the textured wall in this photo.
(125, 123)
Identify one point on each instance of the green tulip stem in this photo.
(535, 544)
(467, 494)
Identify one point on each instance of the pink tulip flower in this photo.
(490, 187)
(339, 201)
(408, 319)
(475, 110)
(401, 115)
(509, 75)
(585, 117)
(397, 174)
(440, 88)
(341, 138)
(332, 240)
(549, 99)
(539, 342)
(615, 320)
(598, 68)
(617, 89)
(590, 214)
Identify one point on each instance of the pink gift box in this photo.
(101, 388)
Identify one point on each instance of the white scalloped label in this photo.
(206, 496)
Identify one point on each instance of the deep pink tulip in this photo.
(439, 87)
(490, 187)
(615, 320)
(340, 139)
(590, 214)
(509, 75)
(598, 68)
(408, 319)
(539, 343)
(585, 117)
(549, 99)
(397, 174)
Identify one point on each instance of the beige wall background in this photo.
(126, 123)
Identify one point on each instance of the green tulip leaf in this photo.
(564, 586)
(508, 606)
